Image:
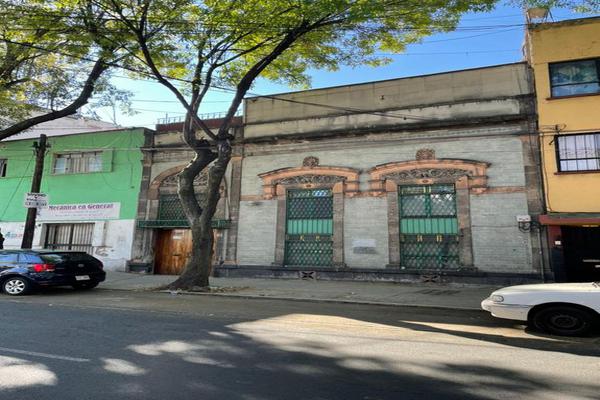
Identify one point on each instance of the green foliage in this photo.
(580, 6)
(234, 35)
(47, 49)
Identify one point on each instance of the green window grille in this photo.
(309, 227)
(171, 215)
(169, 208)
(428, 227)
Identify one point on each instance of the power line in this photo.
(231, 90)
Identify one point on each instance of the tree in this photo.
(190, 46)
(52, 61)
(580, 6)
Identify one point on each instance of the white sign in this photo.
(79, 212)
(363, 243)
(35, 200)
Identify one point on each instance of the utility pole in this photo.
(36, 182)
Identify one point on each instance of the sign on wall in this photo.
(79, 212)
(35, 200)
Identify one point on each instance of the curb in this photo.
(320, 300)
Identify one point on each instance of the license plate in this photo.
(82, 278)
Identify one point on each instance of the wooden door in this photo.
(173, 248)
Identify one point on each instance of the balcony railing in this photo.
(181, 118)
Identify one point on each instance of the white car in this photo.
(568, 309)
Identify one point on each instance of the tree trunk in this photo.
(196, 274)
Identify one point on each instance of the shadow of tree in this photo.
(270, 355)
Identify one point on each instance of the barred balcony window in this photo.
(578, 152)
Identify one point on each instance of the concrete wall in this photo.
(454, 95)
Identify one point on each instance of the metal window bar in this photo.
(430, 251)
(309, 227)
(578, 152)
(70, 237)
(170, 208)
(428, 227)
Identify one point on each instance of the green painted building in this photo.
(92, 181)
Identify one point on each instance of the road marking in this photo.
(44, 355)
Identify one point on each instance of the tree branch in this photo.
(87, 91)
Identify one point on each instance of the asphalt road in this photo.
(129, 345)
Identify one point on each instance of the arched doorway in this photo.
(173, 238)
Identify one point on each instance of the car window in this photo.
(8, 258)
(51, 258)
(29, 258)
(66, 256)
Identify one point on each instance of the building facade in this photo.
(406, 179)
(565, 59)
(163, 242)
(92, 181)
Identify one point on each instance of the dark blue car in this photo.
(22, 271)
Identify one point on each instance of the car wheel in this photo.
(564, 320)
(16, 286)
(85, 285)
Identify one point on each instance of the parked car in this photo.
(22, 271)
(568, 309)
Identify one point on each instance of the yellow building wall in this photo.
(555, 42)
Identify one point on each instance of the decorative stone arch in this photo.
(343, 182)
(169, 178)
(467, 176)
(166, 183)
(310, 175)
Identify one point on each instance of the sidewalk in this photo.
(401, 294)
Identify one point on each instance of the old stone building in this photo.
(406, 179)
(162, 241)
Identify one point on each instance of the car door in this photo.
(8, 260)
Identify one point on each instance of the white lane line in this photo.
(45, 355)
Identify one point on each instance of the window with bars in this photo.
(80, 162)
(309, 227)
(69, 237)
(573, 78)
(3, 164)
(428, 227)
(578, 152)
(170, 208)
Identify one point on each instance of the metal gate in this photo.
(428, 227)
(309, 227)
(69, 237)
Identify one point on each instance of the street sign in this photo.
(35, 200)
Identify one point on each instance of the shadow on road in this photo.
(273, 350)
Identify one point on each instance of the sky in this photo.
(482, 39)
